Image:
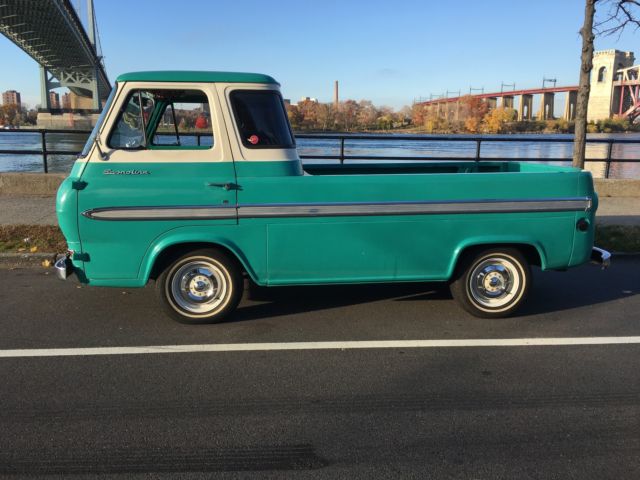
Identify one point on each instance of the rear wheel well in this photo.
(529, 252)
(173, 252)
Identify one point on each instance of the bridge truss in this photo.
(628, 96)
(51, 33)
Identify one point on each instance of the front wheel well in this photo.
(167, 256)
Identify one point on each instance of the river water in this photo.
(525, 147)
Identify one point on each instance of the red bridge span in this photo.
(615, 91)
(450, 106)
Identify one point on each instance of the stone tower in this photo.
(602, 99)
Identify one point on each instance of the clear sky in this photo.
(390, 52)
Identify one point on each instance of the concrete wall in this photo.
(30, 183)
(617, 188)
(64, 121)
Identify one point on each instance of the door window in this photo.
(163, 119)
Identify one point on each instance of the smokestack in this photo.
(335, 95)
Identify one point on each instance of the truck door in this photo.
(161, 163)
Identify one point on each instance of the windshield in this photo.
(96, 129)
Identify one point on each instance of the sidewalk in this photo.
(27, 210)
(40, 210)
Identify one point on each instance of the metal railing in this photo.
(476, 140)
(43, 150)
(342, 142)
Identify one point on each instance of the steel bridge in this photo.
(51, 33)
(450, 106)
(628, 83)
(615, 92)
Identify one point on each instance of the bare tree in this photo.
(619, 16)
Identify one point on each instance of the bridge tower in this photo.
(603, 98)
(83, 81)
(51, 32)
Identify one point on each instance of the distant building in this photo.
(54, 99)
(11, 97)
(308, 99)
(66, 101)
(80, 103)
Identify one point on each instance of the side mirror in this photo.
(103, 156)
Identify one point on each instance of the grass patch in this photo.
(31, 238)
(617, 238)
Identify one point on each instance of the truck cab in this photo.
(193, 179)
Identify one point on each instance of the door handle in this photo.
(226, 186)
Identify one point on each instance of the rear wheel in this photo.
(202, 286)
(493, 283)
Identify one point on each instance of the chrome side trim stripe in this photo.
(162, 213)
(283, 210)
(413, 208)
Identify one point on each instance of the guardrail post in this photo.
(43, 139)
(198, 138)
(478, 142)
(342, 151)
(608, 167)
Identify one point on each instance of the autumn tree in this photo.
(326, 116)
(295, 116)
(403, 117)
(473, 111)
(386, 118)
(621, 14)
(498, 119)
(367, 114)
(418, 112)
(434, 122)
(348, 114)
(309, 110)
(12, 114)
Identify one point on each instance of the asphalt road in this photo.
(518, 412)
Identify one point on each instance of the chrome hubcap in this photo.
(199, 286)
(494, 282)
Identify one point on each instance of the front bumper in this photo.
(64, 267)
(600, 257)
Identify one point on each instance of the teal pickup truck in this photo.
(145, 200)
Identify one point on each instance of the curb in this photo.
(26, 259)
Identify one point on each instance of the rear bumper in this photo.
(600, 257)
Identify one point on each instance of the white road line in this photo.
(253, 347)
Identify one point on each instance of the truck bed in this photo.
(373, 168)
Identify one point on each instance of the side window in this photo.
(262, 119)
(168, 119)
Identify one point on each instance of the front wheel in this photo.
(201, 287)
(493, 283)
